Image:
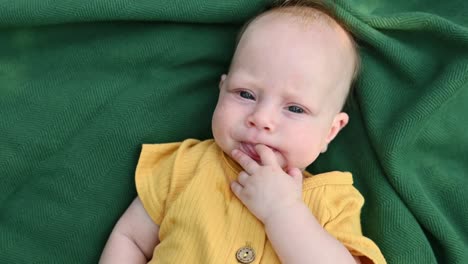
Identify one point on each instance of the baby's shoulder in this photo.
(333, 178)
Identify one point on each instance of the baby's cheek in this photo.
(300, 160)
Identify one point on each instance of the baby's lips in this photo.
(249, 150)
(272, 149)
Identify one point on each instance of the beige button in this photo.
(245, 255)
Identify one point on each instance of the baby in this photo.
(245, 197)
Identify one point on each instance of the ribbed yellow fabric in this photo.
(184, 187)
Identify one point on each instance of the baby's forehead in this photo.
(306, 17)
(306, 35)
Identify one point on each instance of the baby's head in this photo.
(288, 80)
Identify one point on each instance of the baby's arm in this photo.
(297, 236)
(133, 239)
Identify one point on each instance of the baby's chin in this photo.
(288, 166)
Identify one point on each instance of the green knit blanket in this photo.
(84, 83)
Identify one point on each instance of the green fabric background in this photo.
(84, 83)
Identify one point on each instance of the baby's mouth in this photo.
(249, 149)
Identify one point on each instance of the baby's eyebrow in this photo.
(242, 74)
(244, 78)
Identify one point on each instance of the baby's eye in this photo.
(246, 95)
(295, 109)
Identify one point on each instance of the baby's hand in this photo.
(265, 189)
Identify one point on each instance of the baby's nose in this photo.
(262, 120)
(259, 125)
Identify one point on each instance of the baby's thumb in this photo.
(296, 174)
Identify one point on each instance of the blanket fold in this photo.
(84, 84)
(23, 13)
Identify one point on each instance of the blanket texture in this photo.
(83, 84)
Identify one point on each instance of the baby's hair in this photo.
(310, 10)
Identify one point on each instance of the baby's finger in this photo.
(266, 154)
(236, 188)
(243, 178)
(296, 174)
(249, 165)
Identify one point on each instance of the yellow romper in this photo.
(185, 189)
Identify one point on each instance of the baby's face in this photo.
(285, 90)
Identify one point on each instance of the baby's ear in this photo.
(324, 148)
(221, 81)
(339, 122)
